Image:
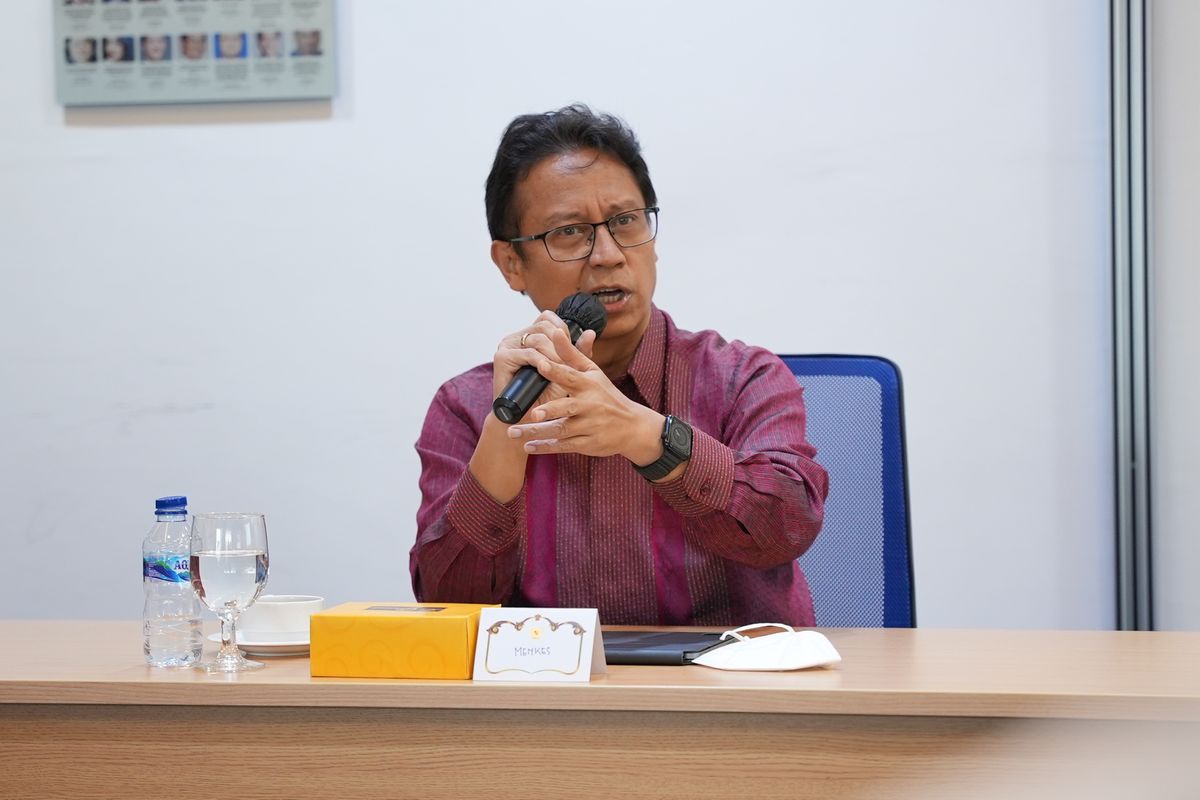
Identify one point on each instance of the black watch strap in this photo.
(677, 448)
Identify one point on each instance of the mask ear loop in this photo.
(736, 633)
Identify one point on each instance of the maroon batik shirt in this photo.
(716, 546)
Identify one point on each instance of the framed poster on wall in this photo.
(118, 52)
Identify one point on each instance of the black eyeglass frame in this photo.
(605, 222)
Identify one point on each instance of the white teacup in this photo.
(278, 618)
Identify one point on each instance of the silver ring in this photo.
(524, 336)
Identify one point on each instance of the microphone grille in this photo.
(585, 311)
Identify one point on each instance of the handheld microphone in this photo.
(581, 312)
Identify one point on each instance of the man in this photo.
(194, 46)
(664, 477)
(308, 43)
(270, 44)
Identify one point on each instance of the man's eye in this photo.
(631, 218)
(569, 231)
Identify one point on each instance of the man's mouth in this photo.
(609, 296)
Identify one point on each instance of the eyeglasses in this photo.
(576, 241)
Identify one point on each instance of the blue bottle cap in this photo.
(178, 503)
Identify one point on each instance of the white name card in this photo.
(539, 644)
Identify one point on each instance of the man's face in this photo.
(193, 44)
(308, 42)
(583, 186)
(269, 45)
(154, 48)
(230, 44)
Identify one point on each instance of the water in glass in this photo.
(229, 566)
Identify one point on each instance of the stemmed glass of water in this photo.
(229, 571)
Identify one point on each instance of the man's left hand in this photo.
(594, 418)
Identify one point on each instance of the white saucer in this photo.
(298, 647)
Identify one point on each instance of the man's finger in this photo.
(562, 374)
(537, 343)
(552, 318)
(556, 409)
(570, 355)
(555, 428)
(544, 446)
(586, 342)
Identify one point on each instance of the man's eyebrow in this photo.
(563, 218)
(560, 218)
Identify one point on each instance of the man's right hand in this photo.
(530, 345)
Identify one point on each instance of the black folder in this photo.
(673, 648)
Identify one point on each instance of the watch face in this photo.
(680, 436)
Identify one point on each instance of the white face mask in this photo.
(788, 649)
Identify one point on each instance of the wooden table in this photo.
(910, 713)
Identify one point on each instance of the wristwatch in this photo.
(677, 448)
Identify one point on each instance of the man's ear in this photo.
(508, 260)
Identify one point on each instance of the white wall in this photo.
(1175, 289)
(253, 304)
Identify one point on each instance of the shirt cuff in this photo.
(490, 526)
(706, 484)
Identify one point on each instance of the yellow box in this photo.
(394, 640)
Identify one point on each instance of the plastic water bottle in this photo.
(171, 619)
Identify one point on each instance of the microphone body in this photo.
(581, 312)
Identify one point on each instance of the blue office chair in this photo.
(860, 566)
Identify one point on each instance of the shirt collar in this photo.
(649, 360)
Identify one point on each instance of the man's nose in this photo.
(605, 250)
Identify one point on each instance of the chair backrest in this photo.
(860, 566)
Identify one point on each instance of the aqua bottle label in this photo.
(171, 569)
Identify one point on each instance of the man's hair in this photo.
(532, 137)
